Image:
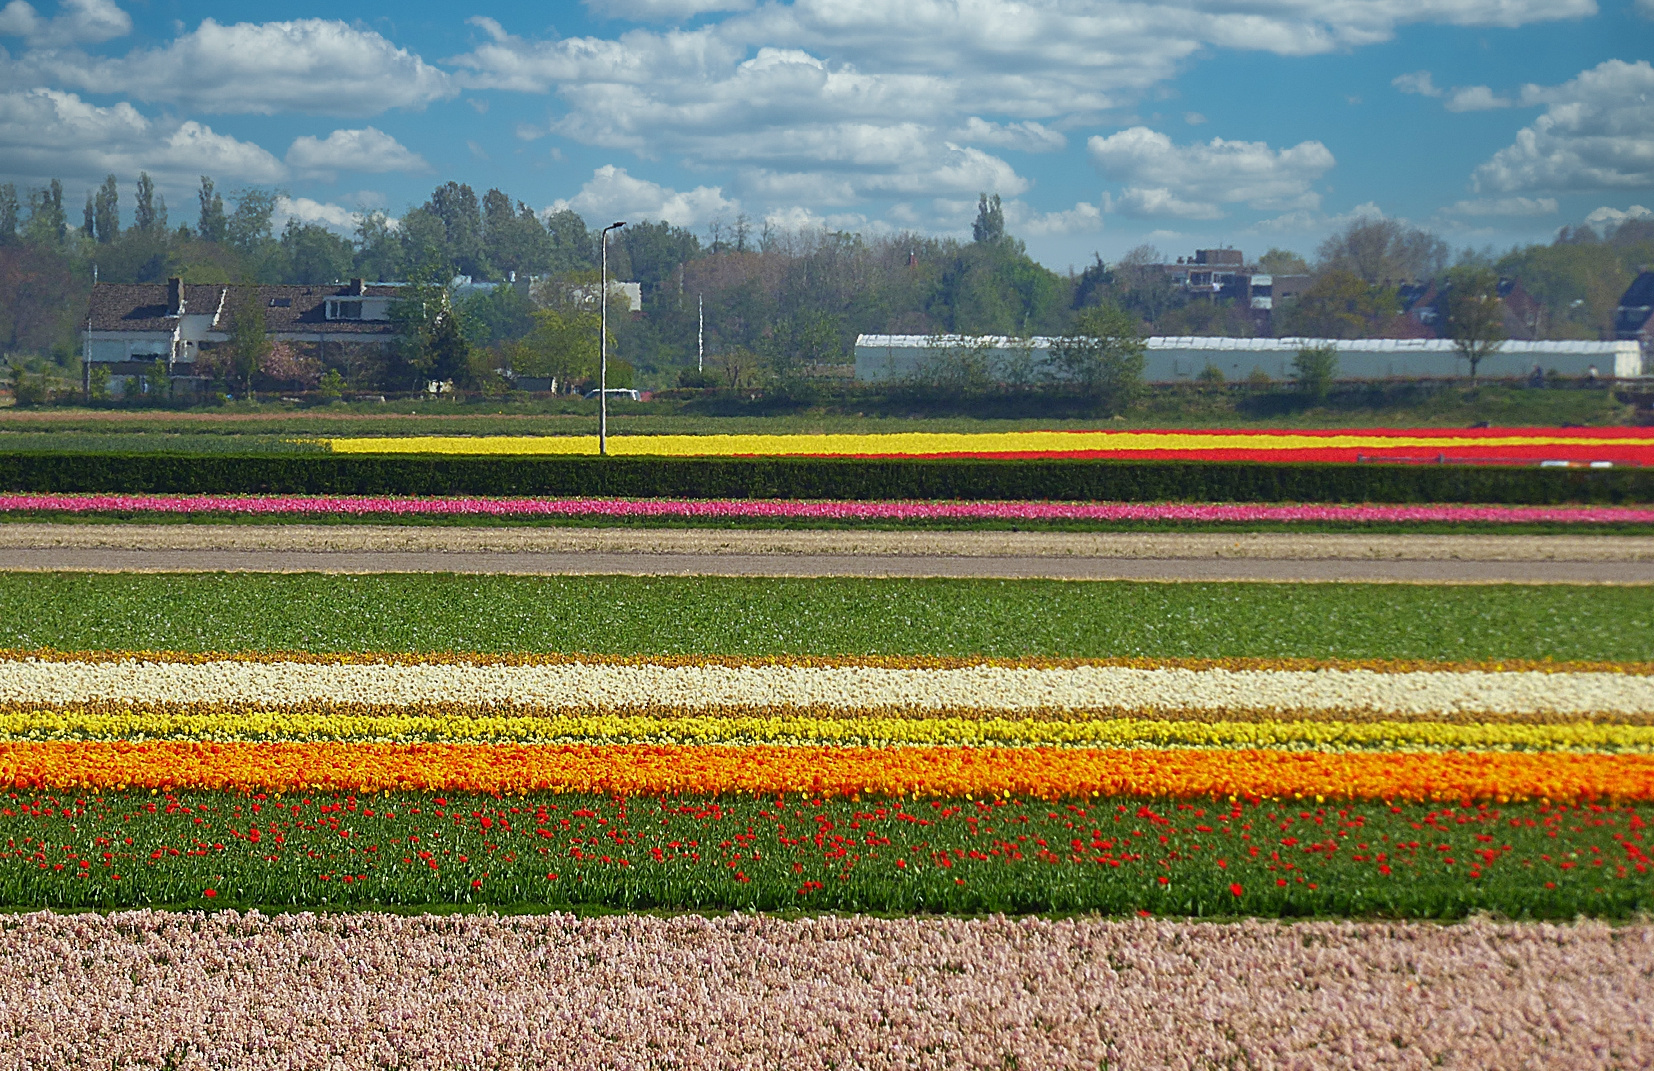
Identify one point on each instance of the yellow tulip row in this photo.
(204, 722)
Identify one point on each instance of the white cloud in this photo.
(332, 216)
(1645, 8)
(1613, 217)
(1083, 218)
(1193, 118)
(318, 66)
(77, 22)
(661, 10)
(867, 98)
(612, 194)
(368, 150)
(1503, 206)
(1419, 82)
(1195, 181)
(47, 133)
(1597, 133)
(1475, 99)
(1027, 136)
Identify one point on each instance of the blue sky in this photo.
(1102, 124)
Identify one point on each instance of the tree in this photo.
(1472, 314)
(212, 226)
(1383, 251)
(249, 227)
(378, 249)
(149, 215)
(514, 240)
(990, 220)
(106, 216)
(1104, 356)
(1141, 285)
(1338, 304)
(1282, 262)
(455, 204)
(248, 344)
(9, 214)
(1314, 368)
(561, 345)
(315, 254)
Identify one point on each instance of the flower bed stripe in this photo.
(460, 724)
(599, 686)
(1620, 445)
(648, 769)
(770, 509)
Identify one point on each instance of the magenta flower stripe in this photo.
(739, 509)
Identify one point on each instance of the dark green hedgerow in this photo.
(1269, 858)
(819, 478)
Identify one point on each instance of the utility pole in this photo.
(603, 348)
(700, 334)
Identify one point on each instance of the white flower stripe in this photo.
(597, 686)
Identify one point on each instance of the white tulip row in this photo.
(598, 685)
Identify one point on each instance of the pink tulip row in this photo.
(745, 509)
(150, 989)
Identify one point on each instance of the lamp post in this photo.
(603, 347)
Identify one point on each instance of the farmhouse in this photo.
(131, 327)
(1181, 359)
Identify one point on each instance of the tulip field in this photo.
(437, 821)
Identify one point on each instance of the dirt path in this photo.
(677, 551)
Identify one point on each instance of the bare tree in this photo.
(1383, 251)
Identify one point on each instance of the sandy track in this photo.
(1258, 546)
(1310, 558)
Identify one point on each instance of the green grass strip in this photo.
(759, 616)
(1222, 858)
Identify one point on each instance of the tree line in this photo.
(776, 305)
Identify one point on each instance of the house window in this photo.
(281, 303)
(344, 310)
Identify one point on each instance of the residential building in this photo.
(1634, 319)
(130, 327)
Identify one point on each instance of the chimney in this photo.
(358, 287)
(175, 296)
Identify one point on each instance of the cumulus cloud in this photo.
(1612, 217)
(1083, 218)
(1027, 135)
(318, 66)
(865, 98)
(1597, 133)
(612, 194)
(333, 217)
(1503, 206)
(1475, 99)
(368, 149)
(77, 22)
(1195, 181)
(48, 133)
(663, 10)
(1419, 82)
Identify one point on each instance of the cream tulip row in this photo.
(680, 686)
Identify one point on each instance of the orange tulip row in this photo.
(647, 769)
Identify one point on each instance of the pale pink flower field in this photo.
(226, 990)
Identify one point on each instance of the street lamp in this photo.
(603, 348)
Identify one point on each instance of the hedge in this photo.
(822, 478)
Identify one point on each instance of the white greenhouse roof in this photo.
(1256, 345)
